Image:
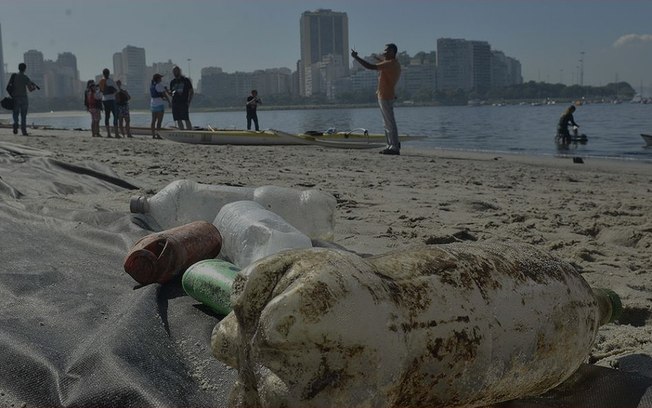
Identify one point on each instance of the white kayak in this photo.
(270, 137)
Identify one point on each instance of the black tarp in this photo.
(75, 329)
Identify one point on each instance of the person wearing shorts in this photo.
(159, 97)
(108, 89)
(122, 105)
(182, 93)
(93, 103)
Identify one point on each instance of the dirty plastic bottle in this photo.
(161, 256)
(209, 282)
(310, 211)
(250, 232)
(184, 201)
(443, 326)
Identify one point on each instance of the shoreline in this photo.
(526, 156)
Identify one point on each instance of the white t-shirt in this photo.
(107, 83)
(158, 101)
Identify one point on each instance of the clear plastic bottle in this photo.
(443, 326)
(250, 232)
(182, 201)
(210, 282)
(310, 211)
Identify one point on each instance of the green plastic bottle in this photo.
(209, 282)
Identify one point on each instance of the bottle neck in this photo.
(139, 205)
(609, 305)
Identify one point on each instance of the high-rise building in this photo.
(118, 66)
(58, 78)
(165, 69)
(324, 41)
(222, 86)
(2, 67)
(481, 59)
(505, 71)
(35, 69)
(35, 65)
(499, 69)
(61, 77)
(131, 69)
(272, 81)
(454, 64)
(514, 74)
(463, 64)
(417, 77)
(68, 60)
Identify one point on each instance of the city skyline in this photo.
(554, 40)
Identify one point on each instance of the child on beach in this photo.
(122, 103)
(159, 96)
(93, 103)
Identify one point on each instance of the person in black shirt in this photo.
(252, 103)
(182, 93)
(18, 86)
(562, 127)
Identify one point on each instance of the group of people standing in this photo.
(178, 96)
(113, 99)
(108, 96)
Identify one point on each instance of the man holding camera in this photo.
(17, 88)
(252, 103)
(389, 71)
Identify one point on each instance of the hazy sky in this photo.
(547, 36)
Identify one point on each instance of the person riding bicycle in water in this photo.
(562, 127)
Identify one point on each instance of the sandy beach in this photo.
(597, 215)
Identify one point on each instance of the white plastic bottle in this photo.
(185, 201)
(457, 325)
(250, 232)
(311, 211)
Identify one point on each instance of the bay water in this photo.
(613, 130)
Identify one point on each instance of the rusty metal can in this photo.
(161, 256)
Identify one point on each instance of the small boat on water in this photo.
(647, 138)
(357, 139)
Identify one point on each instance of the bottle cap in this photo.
(138, 204)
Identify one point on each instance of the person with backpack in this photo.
(93, 103)
(18, 86)
(108, 89)
(122, 98)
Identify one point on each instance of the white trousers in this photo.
(391, 131)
